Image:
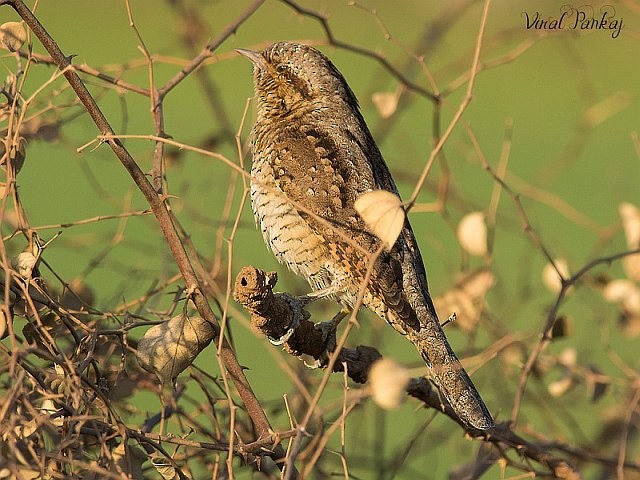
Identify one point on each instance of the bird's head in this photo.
(290, 77)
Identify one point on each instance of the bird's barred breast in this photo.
(285, 232)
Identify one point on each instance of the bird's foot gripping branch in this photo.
(282, 316)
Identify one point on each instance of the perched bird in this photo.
(313, 156)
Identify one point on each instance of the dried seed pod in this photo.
(550, 277)
(388, 381)
(170, 347)
(383, 213)
(472, 234)
(12, 36)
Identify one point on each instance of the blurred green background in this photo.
(568, 101)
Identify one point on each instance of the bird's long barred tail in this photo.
(454, 383)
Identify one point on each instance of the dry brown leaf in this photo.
(567, 359)
(129, 460)
(454, 301)
(513, 356)
(561, 386)
(562, 327)
(625, 293)
(164, 468)
(595, 383)
(25, 474)
(550, 277)
(466, 299)
(477, 283)
(472, 234)
(383, 213)
(388, 380)
(630, 324)
(630, 216)
(631, 266)
(16, 156)
(59, 381)
(4, 331)
(24, 263)
(12, 36)
(49, 408)
(385, 102)
(631, 304)
(617, 290)
(170, 347)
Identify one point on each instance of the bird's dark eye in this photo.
(280, 68)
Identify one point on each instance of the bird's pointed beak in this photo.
(256, 57)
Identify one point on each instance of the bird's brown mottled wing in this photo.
(325, 179)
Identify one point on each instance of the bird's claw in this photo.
(329, 337)
(297, 306)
